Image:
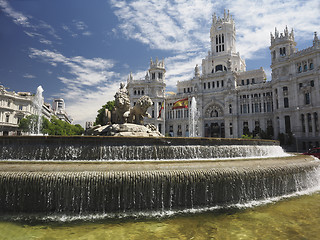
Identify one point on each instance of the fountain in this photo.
(38, 102)
(92, 174)
(85, 175)
(194, 118)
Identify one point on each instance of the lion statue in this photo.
(139, 111)
(121, 106)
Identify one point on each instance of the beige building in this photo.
(232, 101)
(15, 106)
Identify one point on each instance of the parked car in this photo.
(313, 151)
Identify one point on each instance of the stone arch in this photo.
(213, 110)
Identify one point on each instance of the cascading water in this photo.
(129, 187)
(194, 118)
(38, 103)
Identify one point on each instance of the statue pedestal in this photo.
(125, 130)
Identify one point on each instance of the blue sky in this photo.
(81, 50)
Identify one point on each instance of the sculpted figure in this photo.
(139, 111)
(121, 106)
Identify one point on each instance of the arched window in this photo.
(282, 51)
(299, 69)
(305, 67)
(219, 68)
(216, 39)
(222, 38)
(311, 66)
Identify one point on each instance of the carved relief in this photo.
(213, 111)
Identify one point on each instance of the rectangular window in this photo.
(309, 122)
(307, 98)
(312, 83)
(217, 84)
(256, 107)
(286, 102)
(269, 106)
(316, 123)
(287, 124)
(204, 85)
(245, 108)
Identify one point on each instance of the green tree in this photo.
(53, 127)
(29, 123)
(99, 119)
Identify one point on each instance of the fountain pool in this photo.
(289, 218)
(190, 183)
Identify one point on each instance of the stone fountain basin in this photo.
(237, 164)
(132, 148)
(82, 185)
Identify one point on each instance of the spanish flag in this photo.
(162, 107)
(183, 103)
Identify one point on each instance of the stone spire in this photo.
(315, 40)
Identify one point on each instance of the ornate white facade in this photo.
(233, 102)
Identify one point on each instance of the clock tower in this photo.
(223, 35)
(223, 56)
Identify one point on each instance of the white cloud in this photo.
(87, 33)
(17, 17)
(77, 28)
(30, 23)
(30, 76)
(88, 83)
(181, 26)
(83, 104)
(165, 25)
(80, 25)
(256, 19)
(83, 71)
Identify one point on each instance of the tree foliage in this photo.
(53, 127)
(99, 119)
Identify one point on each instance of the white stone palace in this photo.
(232, 101)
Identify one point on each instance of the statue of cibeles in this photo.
(139, 111)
